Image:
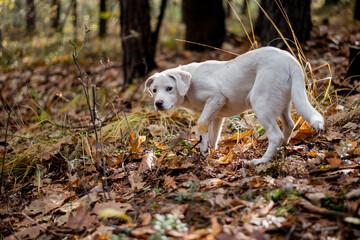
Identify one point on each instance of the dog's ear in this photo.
(182, 79)
(148, 83)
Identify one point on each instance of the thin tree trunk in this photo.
(30, 17)
(55, 15)
(155, 34)
(74, 18)
(103, 20)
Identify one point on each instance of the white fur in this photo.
(266, 80)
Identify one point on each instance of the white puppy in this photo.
(266, 80)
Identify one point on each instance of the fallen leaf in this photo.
(113, 213)
(211, 183)
(316, 197)
(353, 194)
(31, 232)
(169, 182)
(47, 203)
(80, 220)
(157, 130)
(312, 154)
(332, 135)
(135, 143)
(143, 232)
(116, 206)
(227, 158)
(236, 137)
(334, 162)
(147, 162)
(216, 227)
(136, 181)
(304, 132)
(145, 219)
(351, 125)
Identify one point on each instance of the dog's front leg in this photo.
(209, 113)
(215, 131)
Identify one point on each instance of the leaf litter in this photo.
(159, 186)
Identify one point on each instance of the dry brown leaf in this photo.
(211, 183)
(147, 162)
(80, 220)
(29, 232)
(332, 135)
(264, 210)
(169, 182)
(47, 203)
(136, 182)
(334, 162)
(143, 232)
(216, 227)
(157, 130)
(145, 219)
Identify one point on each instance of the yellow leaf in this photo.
(110, 212)
(237, 137)
(312, 154)
(227, 158)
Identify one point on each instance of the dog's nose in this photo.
(159, 103)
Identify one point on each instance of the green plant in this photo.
(163, 223)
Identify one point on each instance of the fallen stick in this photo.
(320, 171)
(322, 211)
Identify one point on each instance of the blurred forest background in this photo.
(38, 32)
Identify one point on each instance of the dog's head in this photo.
(168, 88)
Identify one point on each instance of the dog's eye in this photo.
(154, 90)
(168, 89)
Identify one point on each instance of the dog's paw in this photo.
(259, 161)
(318, 123)
(204, 152)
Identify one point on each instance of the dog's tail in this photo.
(301, 102)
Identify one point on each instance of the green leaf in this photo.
(34, 93)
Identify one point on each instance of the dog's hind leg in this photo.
(215, 131)
(267, 112)
(287, 122)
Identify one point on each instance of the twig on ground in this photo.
(322, 211)
(94, 118)
(320, 171)
(46, 229)
(8, 110)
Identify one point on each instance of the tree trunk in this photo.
(137, 47)
(357, 10)
(298, 12)
(331, 2)
(30, 17)
(55, 15)
(205, 23)
(74, 18)
(103, 19)
(155, 34)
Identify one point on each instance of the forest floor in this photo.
(157, 184)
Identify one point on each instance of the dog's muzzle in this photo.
(159, 105)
